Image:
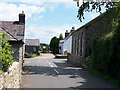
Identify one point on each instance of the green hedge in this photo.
(105, 55)
(31, 55)
(6, 58)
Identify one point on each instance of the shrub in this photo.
(6, 54)
(105, 55)
(1, 72)
(34, 55)
(26, 55)
(30, 55)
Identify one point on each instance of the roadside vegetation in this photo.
(60, 56)
(54, 44)
(6, 58)
(105, 58)
(44, 48)
(1, 72)
(30, 55)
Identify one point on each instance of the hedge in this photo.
(105, 55)
(6, 58)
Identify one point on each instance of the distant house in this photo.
(66, 44)
(61, 47)
(68, 41)
(32, 45)
(15, 35)
(83, 36)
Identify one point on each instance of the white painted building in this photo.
(67, 45)
(61, 46)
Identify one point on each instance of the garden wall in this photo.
(11, 78)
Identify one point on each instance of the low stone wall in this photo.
(11, 78)
(76, 60)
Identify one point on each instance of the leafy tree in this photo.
(6, 58)
(44, 47)
(61, 37)
(90, 5)
(54, 45)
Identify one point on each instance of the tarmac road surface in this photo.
(47, 72)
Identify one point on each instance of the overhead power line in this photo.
(37, 10)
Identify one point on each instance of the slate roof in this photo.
(32, 42)
(15, 31)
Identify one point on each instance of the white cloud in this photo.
(94, 15)
(9, 11)
(61, 0)
(51, 6)
(39, 17)
(36, 1)
(45, 33)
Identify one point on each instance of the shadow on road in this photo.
(62, 68)
(87, 80)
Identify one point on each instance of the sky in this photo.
(44, 18)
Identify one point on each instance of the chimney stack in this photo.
(66, 33)
(22, 18)
(73, 29)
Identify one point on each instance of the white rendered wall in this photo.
(67, 45)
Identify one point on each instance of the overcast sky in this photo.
(44, 20)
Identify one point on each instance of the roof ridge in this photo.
(9, 33)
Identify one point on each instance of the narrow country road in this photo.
(47, 72)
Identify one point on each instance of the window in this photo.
(34, 49)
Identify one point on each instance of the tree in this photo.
(91, 5)
(6, 58)
(44, 47)
(54, 45)
(61, 37)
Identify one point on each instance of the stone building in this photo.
(32, 45)
(83, 36)
(15, 35)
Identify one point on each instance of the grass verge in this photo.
(106, 77)
(1, 72)
(60, 56)
(31, 55)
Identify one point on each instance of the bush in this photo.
(31, 55)
(101, 53)
(1, 72)
(105, 55)
(6, 54)
(26, 55)
(34, 55)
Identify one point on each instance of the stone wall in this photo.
(76, 60)
(83, 36)
(18, 49)
(11, 78)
